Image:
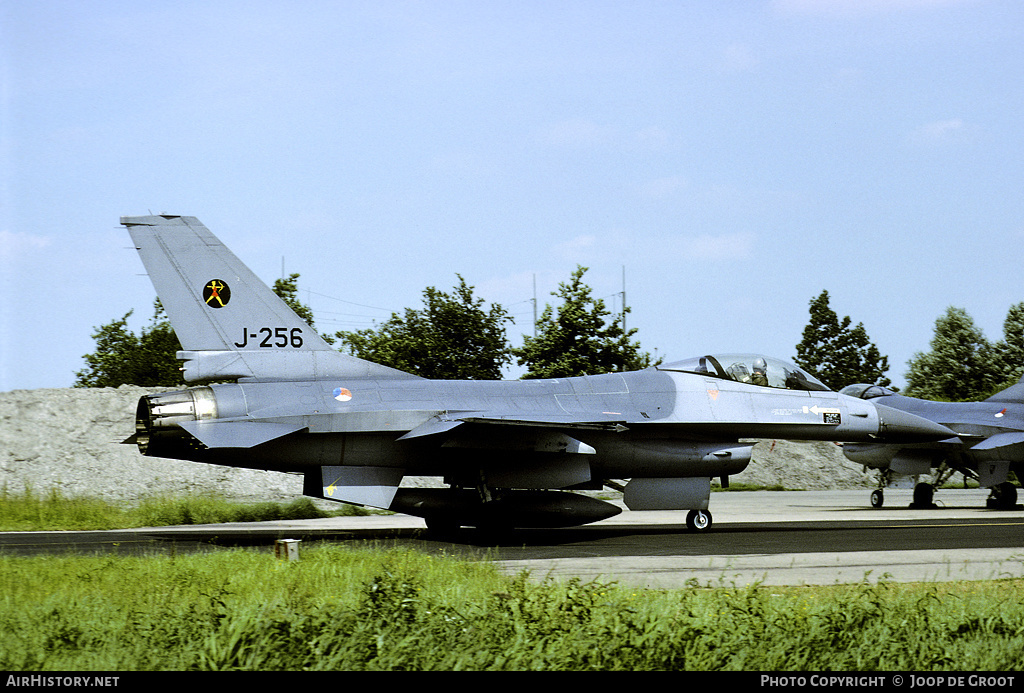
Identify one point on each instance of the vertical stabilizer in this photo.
(229, 322)
(1014, 393)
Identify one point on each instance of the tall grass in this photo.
(356, 609)
(52, 510)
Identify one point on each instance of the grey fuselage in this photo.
(975, 423)
(650, 423)
(355, 429)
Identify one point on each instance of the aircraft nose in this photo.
(901, 427)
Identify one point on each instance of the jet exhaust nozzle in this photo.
(158, 419)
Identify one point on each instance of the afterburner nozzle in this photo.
(895, 426)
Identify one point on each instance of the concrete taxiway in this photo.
(774, 510)
(767, 537)
(762, 515)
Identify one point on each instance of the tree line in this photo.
(455, 335)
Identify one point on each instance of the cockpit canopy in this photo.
(863, 391)
(752, 369)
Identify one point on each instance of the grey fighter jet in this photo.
(989, 443)
(511, 452)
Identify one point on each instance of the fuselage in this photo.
(973, 422)
(969, 418)
(651, 423)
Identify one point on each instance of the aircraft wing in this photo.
(1000, 440)
(500, 433)
(435, 426)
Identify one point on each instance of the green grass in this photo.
(28, 510)
(348, 608)
(359, 609)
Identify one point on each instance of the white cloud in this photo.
(576, 132)
(653, 138)
(738, 57)
(732, 246)
(858, 8)
(573, 247)
(15, 244)
(938, 131)
(660, 188)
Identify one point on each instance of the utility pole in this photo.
(623, 299)
(535, 306)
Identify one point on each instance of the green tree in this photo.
(288, 291)
(453, 337)
(148, 359)
(578, 339)
(961, 365)
(836, 353)
(1009, 351)
(122, 357)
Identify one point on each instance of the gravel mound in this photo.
(70, 440)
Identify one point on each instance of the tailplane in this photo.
(229, 322)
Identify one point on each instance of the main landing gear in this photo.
(698, 520)
(1002, 497)
(924, 492)
(923, 495)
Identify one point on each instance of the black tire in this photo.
(441, 526)
(698, 520)
(923, 494)
(877, 498)
(1005, 496)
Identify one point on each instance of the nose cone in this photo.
(895, 426)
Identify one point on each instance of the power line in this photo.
(351, 303)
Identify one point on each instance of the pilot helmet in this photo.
(760, 365)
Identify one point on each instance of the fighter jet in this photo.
(989, 443)
(511, 453)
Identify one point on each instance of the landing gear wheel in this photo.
(698, 520)
(923, 494)
(441, 526)
(877, 498)
(1004, 497)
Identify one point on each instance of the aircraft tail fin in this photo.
(1014, 393)
(230, 323)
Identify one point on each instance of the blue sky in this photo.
(731, 159)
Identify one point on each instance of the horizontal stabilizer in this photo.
(238, 434)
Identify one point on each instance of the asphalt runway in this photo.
(773, 538)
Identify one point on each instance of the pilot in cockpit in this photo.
(760, 376)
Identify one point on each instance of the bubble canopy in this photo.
(752, 369)
(866, 391)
